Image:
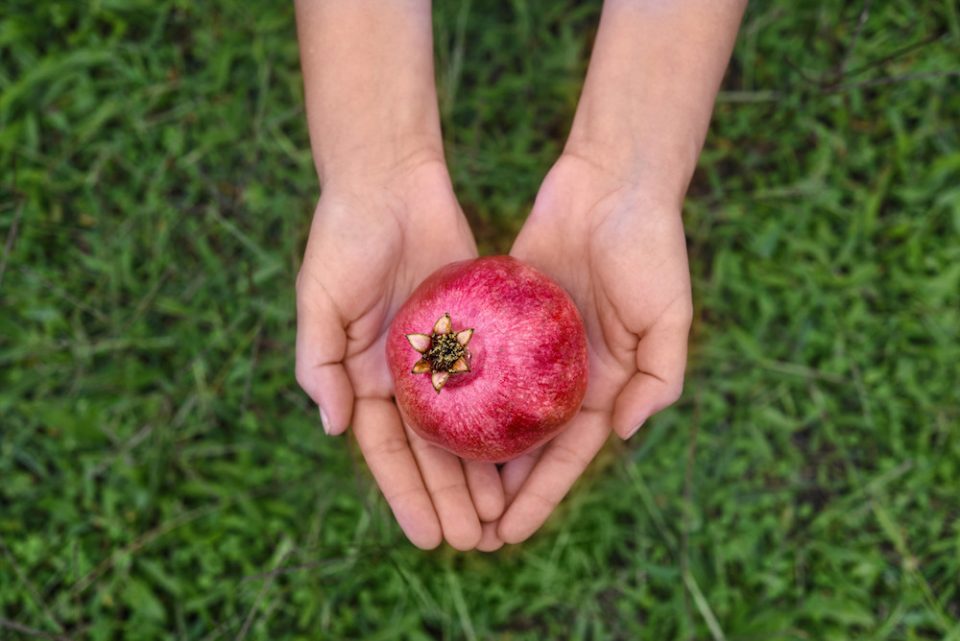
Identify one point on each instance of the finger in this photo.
(384, 445)
(658, 382)
(486, 489)
(321, 346)
(563, 461)
(489, 541)
(515, 472)
(443, 476)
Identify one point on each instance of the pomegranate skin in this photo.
(527, 358)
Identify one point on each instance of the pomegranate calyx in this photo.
(464, 336)
(443, 325)
(443, 352)
(439, 379)
(419, 342)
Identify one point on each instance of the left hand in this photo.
(371, 243)
(619, 250)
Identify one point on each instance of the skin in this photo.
(613, 203)
(386, 219)
(606, 225)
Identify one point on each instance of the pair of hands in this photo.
(612, 244)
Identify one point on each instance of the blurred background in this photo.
(161, 475)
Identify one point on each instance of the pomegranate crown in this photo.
(443, 352)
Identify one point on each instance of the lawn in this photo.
(161, 475)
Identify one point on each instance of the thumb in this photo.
(658, 382)
(321, 347)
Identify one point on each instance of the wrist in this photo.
(662, 171)
(376, 159)
(650, 87)
(416, 187)
(369, 85)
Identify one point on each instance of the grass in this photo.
(162, 477)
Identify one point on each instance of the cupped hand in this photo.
(370, 245)
(618, 248)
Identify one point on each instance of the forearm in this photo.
(369, 85)
(654, 74)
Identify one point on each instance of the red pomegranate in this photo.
(489, 358)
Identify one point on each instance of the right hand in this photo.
(619, 250)
(370, 245)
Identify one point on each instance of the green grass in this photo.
(161, 476)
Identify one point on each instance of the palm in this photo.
(622, 258)
(382, 246)
(368, 250)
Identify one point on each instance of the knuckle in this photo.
(548, 502)
(420, 446)
(302, 372)
(449, 488)
(401, 495)
(387, 448)
(674, 391)
(567, 456)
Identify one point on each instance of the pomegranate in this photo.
(489, 358)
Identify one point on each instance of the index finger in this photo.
(384, 445)
(563, 461)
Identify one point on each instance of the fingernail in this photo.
(634, 430)
(324, 421)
